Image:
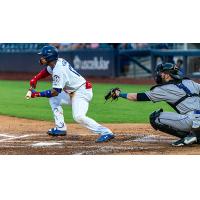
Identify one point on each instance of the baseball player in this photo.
(180, 93)
(68, 87)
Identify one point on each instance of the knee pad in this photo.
(152, 118)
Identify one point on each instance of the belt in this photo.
(87, 84)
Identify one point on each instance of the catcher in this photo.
(182, 94)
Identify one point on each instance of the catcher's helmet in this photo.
(169, 68)
(49, 53)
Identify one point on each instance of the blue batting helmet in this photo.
(49, 53)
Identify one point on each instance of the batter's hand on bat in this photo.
(35, 94)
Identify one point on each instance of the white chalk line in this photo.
(7, 136)
(17, 137)
(12, 146)
(10, 138)
(151, 138)
(46, 144)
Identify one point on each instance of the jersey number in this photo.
(74, 71)
(64, 62)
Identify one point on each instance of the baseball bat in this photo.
(28, 94)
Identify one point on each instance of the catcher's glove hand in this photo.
(113, 94)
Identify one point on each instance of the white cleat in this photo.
(185, 141)
(190, 140)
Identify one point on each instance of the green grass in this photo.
(13, 103)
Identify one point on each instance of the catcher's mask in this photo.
(48, 54)
(167, 68)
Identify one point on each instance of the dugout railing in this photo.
(190, 58)
(133, 56)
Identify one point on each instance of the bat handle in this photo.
(28, 95)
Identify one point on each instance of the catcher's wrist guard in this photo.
(123, 95)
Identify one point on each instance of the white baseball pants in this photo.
(80, 104)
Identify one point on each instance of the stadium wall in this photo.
(100, 62)
(88, 62)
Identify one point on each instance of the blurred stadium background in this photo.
(111, 60)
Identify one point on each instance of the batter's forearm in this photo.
(42, 74)
(46, 93)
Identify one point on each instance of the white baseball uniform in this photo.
(66, 78)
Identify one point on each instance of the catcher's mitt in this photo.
(112, 94)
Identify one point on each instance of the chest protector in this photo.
(180, 85)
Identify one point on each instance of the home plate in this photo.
(45, 144)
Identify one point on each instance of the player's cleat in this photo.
(105, 138)
(56, 132)
(190, 140)
(178, 143)
(185, 141)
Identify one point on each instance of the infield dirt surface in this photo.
(28, 137)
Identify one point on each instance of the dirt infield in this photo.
(23, 136)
